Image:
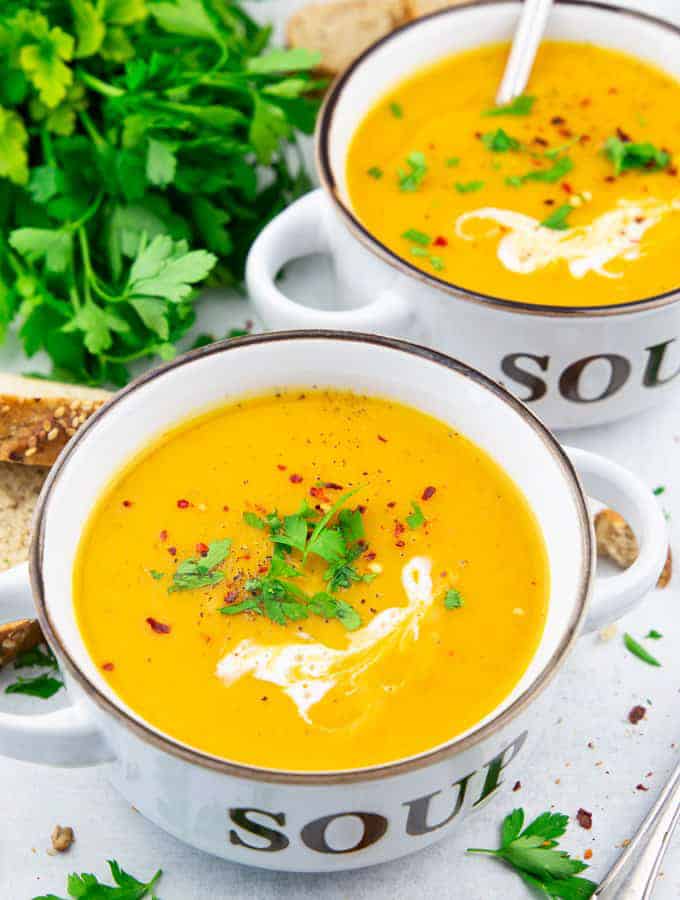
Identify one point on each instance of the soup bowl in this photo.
(575, 366)
(302, 820)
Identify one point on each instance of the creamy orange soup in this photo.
(571, 197)
(313, 581)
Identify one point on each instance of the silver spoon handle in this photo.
(647, 848)
(528, 36)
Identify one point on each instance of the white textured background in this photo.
(600, 684)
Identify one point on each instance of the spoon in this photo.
(532, 22)
(648, 846)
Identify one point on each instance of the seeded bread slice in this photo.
(340, 31)
(37, 417)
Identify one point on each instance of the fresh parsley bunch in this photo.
(532, 853)
(143, 145)
(85, 886)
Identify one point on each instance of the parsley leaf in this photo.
(85, 886)
(418, 237)
(43, 686)
(397, 110)
(639, 651)
(254, 521)
(626, 155)
(654, 635)
(533, 855)
(409, 181)
(558, 170)
(659, 490)
(499, 141)
(415, 519)
(467, 187)
(375, 172)
(329, 607)
(520, 106)
(452, 161)
(199, 571)
(453, 599)
(557, 220)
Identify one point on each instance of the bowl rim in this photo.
(189, 754)
(383, 252)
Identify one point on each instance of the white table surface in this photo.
(592, 758)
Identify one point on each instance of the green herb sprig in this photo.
(85, 886)
(143, 145)
(638, 650)
(520, 106)
(626, 155)
(557, 220)
(410, 179)
(533, 855)
(499, 141)
(201, 571)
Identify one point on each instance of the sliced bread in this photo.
(37, 417)
(340, 31)
(19, 489)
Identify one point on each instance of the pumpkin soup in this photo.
(567, 196)
(312, 580)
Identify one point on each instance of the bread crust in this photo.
(38, 417)
(18, 637)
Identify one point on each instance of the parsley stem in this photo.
(46, 142)
(88, 125)
(102, 87)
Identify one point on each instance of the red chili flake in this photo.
(127, 503)
(163, 535)
(566, 132)
(557, 120)
(158, 627)
(172, 551)
(586, 101)
(613, 90)
(361, 508)
(231, 596)
(202, 548)
(549, 202)
(318, 493)
(108, 667)
(428, 492)
(610, 178)
(584, 819)
(225, 509)
(672, 170)
(540, 141)
(641, 787)
(262, 569)
(182, 504)
(296, 479)
(332, 485)
(399, 528)
(383, 439)
(370, 556)
(400, 543)
(636, 714)
(623, 136)
(588, 854)
(517, 785)
(281, 467)
(440, 241)
(392, 504)
(639, 219)
(584, 138)
(567, 188)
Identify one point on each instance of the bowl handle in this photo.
(300, 231)
(65, 737)
(610, 483)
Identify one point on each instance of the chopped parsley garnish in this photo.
(337, 538)
(557, 220)
(559, 169)
(43, 685)
(415, 519)
(654, 635)
(418, 237)
(499, 141)
(452, 161)
(410, 181)
(639, 651)
(375, 172)
(661, 489)
(436, 262)
(626, 155)
(453, 599)
(533, 855)
(520, 106)
(200, 571)
(467, 187)
(397, 110)
(250, 518)
(155, 574)
(88, 887)
(554, 152)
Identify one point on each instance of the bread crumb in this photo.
(62, 838)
